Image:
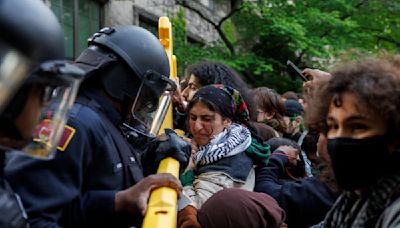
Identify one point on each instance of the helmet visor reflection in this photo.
(143, 108)
(13, 72)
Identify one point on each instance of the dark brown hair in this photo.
(211, 72)
(270, 101)
(290, 95)
(375, 82)
(263, 131)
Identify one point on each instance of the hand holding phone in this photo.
(293, 69)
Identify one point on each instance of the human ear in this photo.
(269, 116)
(298, 121)
(227, 122)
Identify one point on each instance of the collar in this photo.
(103, 104)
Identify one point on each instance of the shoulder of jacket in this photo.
(83, 117)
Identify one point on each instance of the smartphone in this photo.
(293, 69)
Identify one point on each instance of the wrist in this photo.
(180, 109)
(119, 203)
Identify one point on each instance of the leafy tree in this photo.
(260, 36)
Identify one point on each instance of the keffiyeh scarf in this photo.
(363, 212)
(233, 140)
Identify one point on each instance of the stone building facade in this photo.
(147, 11)
(80, 18)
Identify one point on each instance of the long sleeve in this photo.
(305, 201)
(205, 185)
(75, 189)
(48, 186)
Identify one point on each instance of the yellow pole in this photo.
(162, 206)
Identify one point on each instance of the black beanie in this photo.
(293, 108)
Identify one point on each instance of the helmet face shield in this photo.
(13, 72)
(147, 100)
(57, 94)
(143, 108)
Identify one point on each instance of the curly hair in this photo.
(210, 72)
(376, 84)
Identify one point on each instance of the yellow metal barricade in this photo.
(162, 206)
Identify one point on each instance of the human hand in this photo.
(290, 152)
(134, 199)
(174, 146)
(177, 99)
(314, 75)
(192, 163)
(192, 143)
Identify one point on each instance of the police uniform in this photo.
(77, 188)
(11, 209)
(23, 50)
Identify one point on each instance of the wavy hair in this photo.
(376, 84)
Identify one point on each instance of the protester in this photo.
(270, 109)
(296, 131)
(290, 95)
(263, 131)
(96, 178)
(220, 160)
(237, 208)
(207, 73)
(305, 200)
(293, 118)
(357, 109)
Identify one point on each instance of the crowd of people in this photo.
(76, 148)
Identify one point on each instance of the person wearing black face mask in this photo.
(357, 109)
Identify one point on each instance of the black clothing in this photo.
(77, 188)
(294, 137)
(180, 120)
(305, 201)
(11, 210)
(240, 171)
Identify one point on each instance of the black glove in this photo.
(175, 147)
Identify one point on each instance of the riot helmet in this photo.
(36, 115)
(30, 33)
(35, 84)
(134, 68)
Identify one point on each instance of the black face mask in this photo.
(358, 163)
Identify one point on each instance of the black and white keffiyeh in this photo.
(233, 140)
(363, 212)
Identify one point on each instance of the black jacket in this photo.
(12, 213)
(77, 188)
(305, 201)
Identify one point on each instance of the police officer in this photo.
(24, 95)
(96, 179)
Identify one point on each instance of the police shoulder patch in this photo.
(66, 137)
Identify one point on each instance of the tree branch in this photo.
(236, 8)
(217, 26)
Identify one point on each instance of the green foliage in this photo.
(229, 30)
(179, 27)
(311, 33)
